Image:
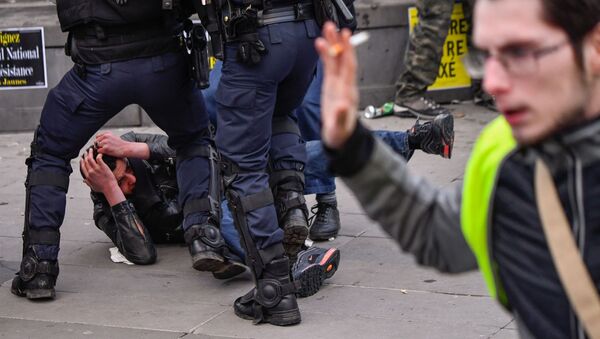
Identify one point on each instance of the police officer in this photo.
(125, 52)
(269, 62)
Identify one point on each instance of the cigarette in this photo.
(355, 40)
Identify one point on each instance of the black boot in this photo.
(325, 221)
(293, 219)
(36, 278)
(205, 244)
(274, 300)
(433, 137)
(232, 266)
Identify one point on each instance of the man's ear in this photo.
(593, 56)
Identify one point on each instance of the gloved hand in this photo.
(250, 52)
(121, 2)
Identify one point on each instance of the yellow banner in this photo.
(452, 72)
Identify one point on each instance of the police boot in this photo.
(273, 300)
(36, 278)
(293, 219)
(205, 243)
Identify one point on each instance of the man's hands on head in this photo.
(110, 144)
(100, 178)
(339, 93)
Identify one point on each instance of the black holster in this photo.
(210, 16)
(198, 46)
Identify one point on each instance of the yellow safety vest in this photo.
(493, 145)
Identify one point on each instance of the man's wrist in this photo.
(354, 154)
(113, 194)
(138, 150)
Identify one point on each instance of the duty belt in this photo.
(297, 12)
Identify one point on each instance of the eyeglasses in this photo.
(517, 60)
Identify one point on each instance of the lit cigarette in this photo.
(355, 40)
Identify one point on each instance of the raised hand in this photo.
(339, 93)
(97, 174)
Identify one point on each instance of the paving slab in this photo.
(17, 328)
(378, 262)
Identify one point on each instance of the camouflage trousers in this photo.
(425, 47)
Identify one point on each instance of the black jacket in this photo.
(154, 200)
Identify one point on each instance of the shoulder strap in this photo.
(573, 274)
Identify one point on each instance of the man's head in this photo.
(120, 169)
(544, 63)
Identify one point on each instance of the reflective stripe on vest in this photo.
(493, 145)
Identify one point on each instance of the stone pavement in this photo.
(378, 292)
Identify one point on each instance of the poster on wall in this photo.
(452, 73)
(22, 58)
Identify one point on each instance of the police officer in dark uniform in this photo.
(269, 62)
(125, 52)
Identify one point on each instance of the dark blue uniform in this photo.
(258, 138)
(248, 97)
(124, 55)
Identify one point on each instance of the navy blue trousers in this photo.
(248, 97)
(77, 107)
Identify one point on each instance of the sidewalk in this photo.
(378, 292)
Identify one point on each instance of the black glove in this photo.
(121, 2)
(250, 52)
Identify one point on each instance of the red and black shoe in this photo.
(434, 137)
(312, 267)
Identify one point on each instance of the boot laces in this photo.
(320, 212)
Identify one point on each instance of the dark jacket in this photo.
(102, 31)
(153, 206)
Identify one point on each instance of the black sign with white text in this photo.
(22, 58)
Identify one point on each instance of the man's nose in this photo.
(496, 79)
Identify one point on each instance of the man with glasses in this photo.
(541, 61)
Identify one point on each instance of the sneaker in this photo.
(389, 108)
(313, 266)
(423, 108)
(325, 222)
(435, 137)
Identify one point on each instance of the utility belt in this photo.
(93, 44)
(288, 13)
(241, 25)
(119, 34)
(245, 20)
